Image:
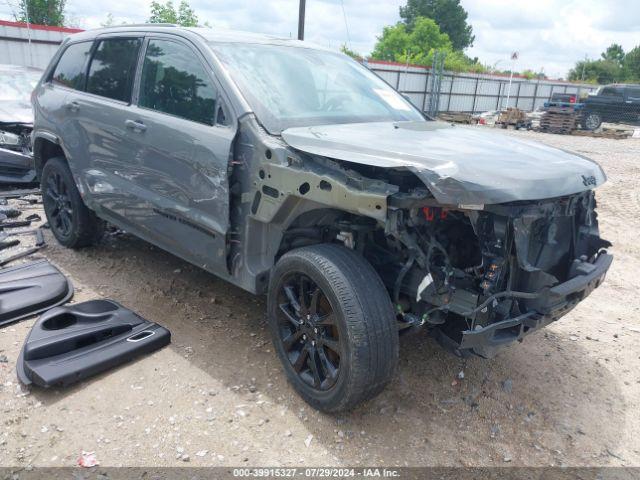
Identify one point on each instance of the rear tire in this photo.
(71, 222)
(353, 353)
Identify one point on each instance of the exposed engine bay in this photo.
(480, 276)
(16, 137)
(480, 260)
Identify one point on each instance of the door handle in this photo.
(136, 126)
(73, 106)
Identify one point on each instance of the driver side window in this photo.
(175, 82)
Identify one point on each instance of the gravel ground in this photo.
(569, 395)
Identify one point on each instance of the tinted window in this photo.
(70, 69)
(113, 66)
(175, 82)
(611, 92)
(633, 93)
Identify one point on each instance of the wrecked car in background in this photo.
(294, 171)
(16, 123)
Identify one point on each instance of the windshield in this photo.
(299, 87)
(17, 85)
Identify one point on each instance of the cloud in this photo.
(549, 34)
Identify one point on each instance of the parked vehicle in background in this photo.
(294, 171)
(569, 98)
(16, 123)
(616, 103)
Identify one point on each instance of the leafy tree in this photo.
(449, 15)
(614, 53)
(613, 66)
(42, 12)
(352, 53)
(597, 71)
(167, 13)
(418, 46)
(631, 65)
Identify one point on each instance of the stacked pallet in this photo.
(559, 119)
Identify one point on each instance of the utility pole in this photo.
(301, 20)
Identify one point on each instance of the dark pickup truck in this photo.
(617, 103)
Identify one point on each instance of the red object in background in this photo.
(430, 213)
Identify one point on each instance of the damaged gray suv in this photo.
(294, 171)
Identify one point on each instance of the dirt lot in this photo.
(569, 395)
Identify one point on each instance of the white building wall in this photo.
(15, 48)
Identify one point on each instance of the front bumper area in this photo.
(552, 303)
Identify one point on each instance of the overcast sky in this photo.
(549, 34)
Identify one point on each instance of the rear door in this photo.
(96, 127)
(54, 115)
(632, 102)
(182, 132)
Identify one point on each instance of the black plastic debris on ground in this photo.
(31, 288)
(68, 344)
(29, 196)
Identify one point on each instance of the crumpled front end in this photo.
(486, 278)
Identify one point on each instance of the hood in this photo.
(460, 165)
(15, 111)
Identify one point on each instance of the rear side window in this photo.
(175, 82)
(113, 67)
(70, 70)
(633, 94)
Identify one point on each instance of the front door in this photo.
(178, 167)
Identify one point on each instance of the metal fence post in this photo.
(475, 96)
(450, 92)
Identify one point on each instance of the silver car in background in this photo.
(16, 122)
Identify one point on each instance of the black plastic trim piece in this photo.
(31, 288)
(68, 344)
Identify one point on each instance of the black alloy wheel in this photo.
(72, 223)
(308, 331)
(57, 203)
(333, 326)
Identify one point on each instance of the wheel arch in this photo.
(45, 147)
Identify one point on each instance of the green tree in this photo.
(167, 13)
(352, 53)
(418, 46)
(614, 53)
(42, 12)
(449, 15)
(597, 71)
(631, 65)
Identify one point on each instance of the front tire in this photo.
(333, 326)
(71, 222)
(592, 121)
